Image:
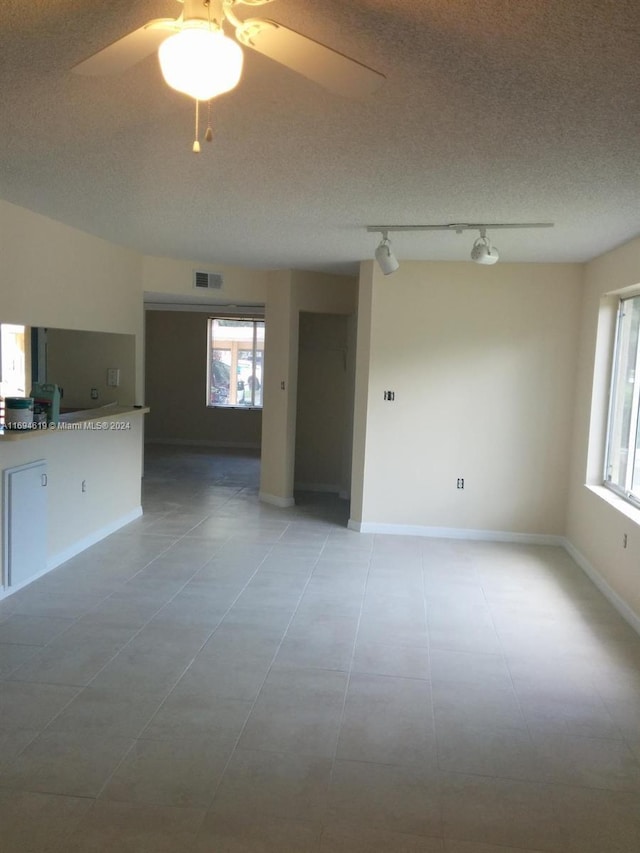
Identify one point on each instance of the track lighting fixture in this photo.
(387, 261)
(483, 252)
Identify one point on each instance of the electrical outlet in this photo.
(390, 396)
(460, 483)
(113, 377)
(94, 393)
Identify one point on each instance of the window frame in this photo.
(256, 320)
(624, 491)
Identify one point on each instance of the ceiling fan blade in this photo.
(315, 61)
(129, 50)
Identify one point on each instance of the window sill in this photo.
(618, 503)
(236, 408)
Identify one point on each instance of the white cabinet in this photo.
(25, 522)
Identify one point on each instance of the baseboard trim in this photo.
(276, 500)
(627, 613)
(5, 592)
(75, 549)
(456, 533)
(196, 442)
(328, 488)
(92, 539)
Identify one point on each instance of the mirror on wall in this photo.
(92, 368)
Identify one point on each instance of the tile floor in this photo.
(224, 676)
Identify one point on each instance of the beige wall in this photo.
(176, 381)
(57, 276)
(169, 276)
(322, 402)
(361, 391)
(347, 438)
(279, 401)
(596, 519)
(482, 362)
(78, 362)
(320, 292)
(289, 293)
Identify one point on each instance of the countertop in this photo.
(110, 417)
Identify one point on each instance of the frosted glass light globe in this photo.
(201, 63)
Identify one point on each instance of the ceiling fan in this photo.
(198, 59)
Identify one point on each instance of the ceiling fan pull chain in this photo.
(209, 134)
(196, 143)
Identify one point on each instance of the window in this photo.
(13, 355)
(622, 472)
(235, 354)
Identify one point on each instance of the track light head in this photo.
(387, 261)
(483, 252)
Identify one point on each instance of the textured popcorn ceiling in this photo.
(493, 110)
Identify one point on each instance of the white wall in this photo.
(596, 519)
(482, 362)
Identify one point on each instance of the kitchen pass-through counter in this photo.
(66, 486)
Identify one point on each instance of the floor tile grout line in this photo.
(518, 701)
(532, 733)
(161, 703)
(264, 680)
(83, 687)
(434, 731)
(334, 757)
(139, 737)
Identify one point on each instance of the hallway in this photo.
(224, 676)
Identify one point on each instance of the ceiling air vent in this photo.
(207, 280)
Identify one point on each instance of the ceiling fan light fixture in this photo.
(385, 257)
(201, 63)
